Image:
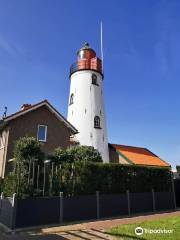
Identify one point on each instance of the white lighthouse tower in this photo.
(86, 106)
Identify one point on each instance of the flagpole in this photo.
(102, 55)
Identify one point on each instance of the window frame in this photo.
(98, 126)
(40, 140)
(94, 83)
(71, 100)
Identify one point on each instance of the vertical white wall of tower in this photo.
(88, 103)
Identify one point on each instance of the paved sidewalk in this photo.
(87, 234)
(84, 231)
(106, 224)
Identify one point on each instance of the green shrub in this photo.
(86, 178)
(84, 154)
(27, 149)
(76, 154)
(14, 183)
(61, 156)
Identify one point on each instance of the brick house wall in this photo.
(113, 156)
(58, 133)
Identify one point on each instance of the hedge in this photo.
(86, 178)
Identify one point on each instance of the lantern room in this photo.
(86, 60)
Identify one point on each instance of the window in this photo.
(71, 99)
(94, 79)
(42, 133)
(96, 122)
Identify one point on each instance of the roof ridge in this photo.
(126, 150)
(122, 145)
(39, 104)
(33, 105)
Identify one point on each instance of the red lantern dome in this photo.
(86, 60)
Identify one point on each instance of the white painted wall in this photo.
(3, 150)
(88, 102)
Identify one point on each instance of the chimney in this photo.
(25, 106)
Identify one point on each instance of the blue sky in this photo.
(38, 43)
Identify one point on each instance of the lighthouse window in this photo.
(94, 79)
(96, 122)
(71, 99)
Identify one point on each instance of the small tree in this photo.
(60, 156)
(84, 154)
(27, 150)
(67, 158)
(16, 183)
(76, 154)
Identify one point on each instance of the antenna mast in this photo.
(102, 55)
(5, 112)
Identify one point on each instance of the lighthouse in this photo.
(86, 106)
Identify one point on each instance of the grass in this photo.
(127, 231)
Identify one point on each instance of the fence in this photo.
(177, 191)
(7, 210)
(18, 213)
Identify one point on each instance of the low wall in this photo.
(58, 210)
(177, 191)
(37, 211)
(7, 211)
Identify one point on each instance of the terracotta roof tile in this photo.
(140, 156)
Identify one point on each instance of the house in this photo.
(176, 174)
(49, 127)
(135, 155)
(41, 121)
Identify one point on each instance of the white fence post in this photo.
(13, 219)
(173, 190)
(1, 199)
(2, 195)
